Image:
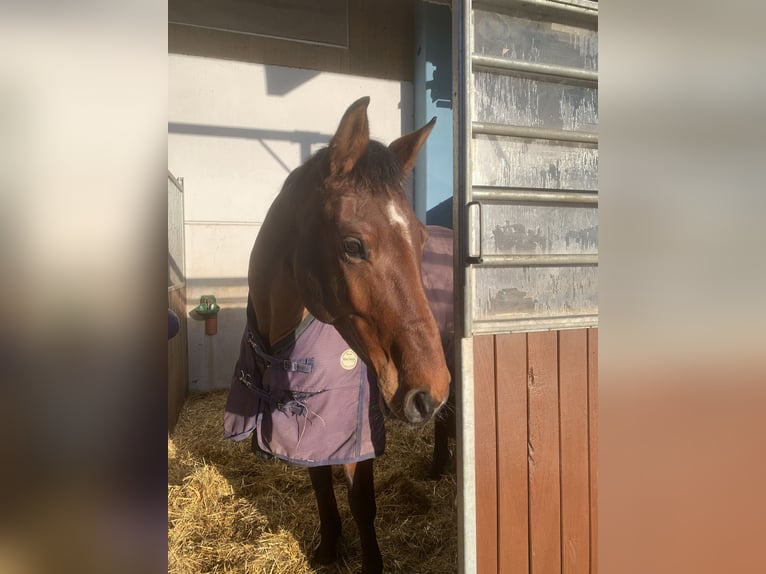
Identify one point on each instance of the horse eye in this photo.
(353, 248)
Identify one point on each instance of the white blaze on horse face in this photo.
(396, 217)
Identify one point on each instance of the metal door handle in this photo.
(473, 257)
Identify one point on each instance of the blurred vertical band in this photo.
(82, 241)
(681, 286)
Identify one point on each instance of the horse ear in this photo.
(406, 148)
(351, 139)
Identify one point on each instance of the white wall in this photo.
(235, 131)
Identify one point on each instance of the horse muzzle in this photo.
(420, 407)
(415, 404)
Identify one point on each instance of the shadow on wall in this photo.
(406, 103)
(304, 138)
(438, 23)
(212, 357)
(281, 81)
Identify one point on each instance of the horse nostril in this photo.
(419, 407)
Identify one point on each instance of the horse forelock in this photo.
(376, 169)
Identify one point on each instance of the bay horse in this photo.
(337, 262)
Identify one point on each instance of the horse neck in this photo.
(273, 291)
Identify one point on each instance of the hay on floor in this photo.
(229, 511)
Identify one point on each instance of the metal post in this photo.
(462, 46)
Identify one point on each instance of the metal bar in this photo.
(511, 194)
(527, 325)
(462, 43)
(537, 260)
(577, 8)
(466, 456)
(504, 66)
(482, 128)
(590, 5)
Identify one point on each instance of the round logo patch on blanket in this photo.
(348, 359)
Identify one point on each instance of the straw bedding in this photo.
(229, 511)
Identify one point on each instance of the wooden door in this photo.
(535, 449)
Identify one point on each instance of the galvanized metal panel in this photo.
(519, 101)
(534, 126)
(512, 37)
(515, 162)
(538, 229)
(530, 292)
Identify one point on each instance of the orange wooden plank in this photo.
(573, 411)
(486, 454)
(593, 444)
(512, 483)
(544, 475)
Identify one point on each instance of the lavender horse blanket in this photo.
(309, 401)
(438, 283)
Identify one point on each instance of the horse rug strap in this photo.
(309, 401)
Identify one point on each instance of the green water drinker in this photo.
(208, 309)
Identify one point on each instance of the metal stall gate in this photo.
(527, 243)
(177, 349)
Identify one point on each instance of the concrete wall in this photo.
(235, 131)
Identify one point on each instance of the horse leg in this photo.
(441, 447)
(329, 518)
(361, 499)
(445, 426)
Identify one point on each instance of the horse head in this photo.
(357, 263)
